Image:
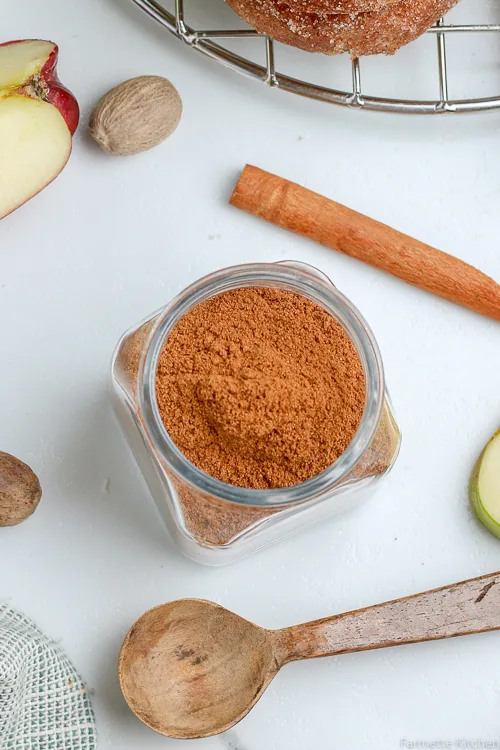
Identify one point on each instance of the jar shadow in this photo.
(101, 472)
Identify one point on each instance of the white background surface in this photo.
(113, 239)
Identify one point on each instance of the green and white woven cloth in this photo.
(43, 702)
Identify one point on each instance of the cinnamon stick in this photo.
(311, 215)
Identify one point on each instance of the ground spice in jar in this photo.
(260, 388)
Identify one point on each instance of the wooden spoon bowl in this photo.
(192, 669)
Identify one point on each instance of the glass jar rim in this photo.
(296, 277)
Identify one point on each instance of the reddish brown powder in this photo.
(260, 388)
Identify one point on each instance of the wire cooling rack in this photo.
(211, 44)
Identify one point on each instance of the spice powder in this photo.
(260, 388)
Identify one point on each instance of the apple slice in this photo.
(485, 486)
(38, 117)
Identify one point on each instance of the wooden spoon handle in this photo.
(311, 215)
(472, 606)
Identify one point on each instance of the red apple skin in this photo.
(65, 102)
(58, 95)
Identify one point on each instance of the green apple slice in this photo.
(485, 486)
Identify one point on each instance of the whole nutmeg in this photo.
(20, 490)
(136, 115)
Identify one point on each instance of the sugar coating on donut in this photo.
(323, 7)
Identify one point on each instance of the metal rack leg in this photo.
(442, 64)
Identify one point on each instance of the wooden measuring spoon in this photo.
(191, 668)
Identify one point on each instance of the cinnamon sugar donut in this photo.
(371, 33)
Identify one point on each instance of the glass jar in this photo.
(211, 521)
